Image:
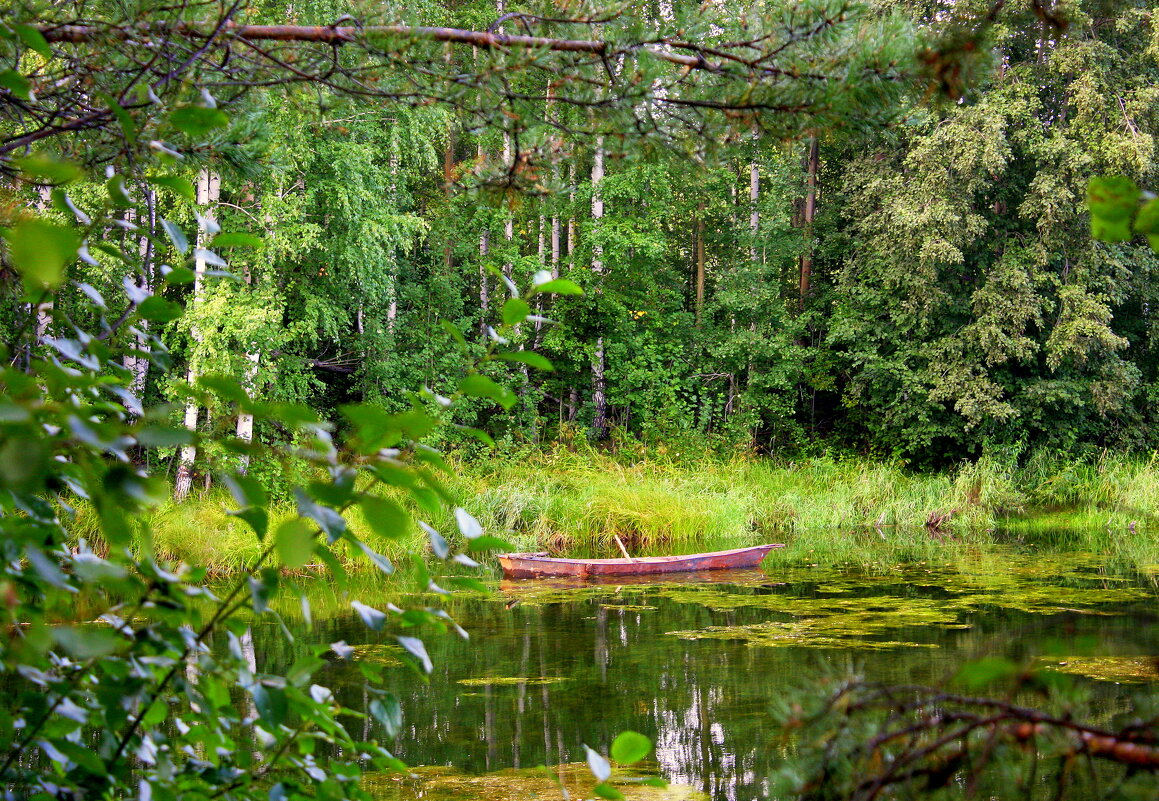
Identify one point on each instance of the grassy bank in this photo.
(825, 510)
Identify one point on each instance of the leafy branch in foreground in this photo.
(861, 740)
(125, 677)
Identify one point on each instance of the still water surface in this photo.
(698, 662)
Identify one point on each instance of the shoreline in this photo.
(825, 510)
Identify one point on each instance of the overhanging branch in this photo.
(349, 35)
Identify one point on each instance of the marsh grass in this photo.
(825, 510)
(201, 532)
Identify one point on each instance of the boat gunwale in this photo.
(543, 558)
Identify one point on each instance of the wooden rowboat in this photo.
(537, 565)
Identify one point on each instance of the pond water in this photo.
(698, 662)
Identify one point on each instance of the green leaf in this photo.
(176, 236)
(16, 83)
(515, 311)
(32, 38)
(118, 194)
(197, 121)
(271, 704)
(1147, 223)
(985, 672)
(40, 250)
(605, 790)
(455, 333)
(528, 357)
(49, 168)
(83, 756)
(257, 518)
(182, 187)
(157, 436)
(479, 434)
(159, 310)
(600, 767)
(488, 542)
(1112, 201)
(480, 386)
(246, 490)
(388, 712)
(337, 570)
(128, 127)
(373, 618)
(385, 517)
(380, 561)
(630, 747)
(329, 520)
(295, 542)
(179, 276)
(85, 643)
(236, 240)
(559, 286)
(224, 386)
(415, 647)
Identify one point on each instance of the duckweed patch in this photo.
(830, 609)
(383, 654)
(1119, 669)
(572, 780)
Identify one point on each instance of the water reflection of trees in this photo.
(706, 703)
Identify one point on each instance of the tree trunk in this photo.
(138, 364)
(699, 262)
(448, 182)
(208, 191)
(245, 420)
(484, 249)
(599, 380)
(449, 179)
(44, 310)
(509, 221)
(571, 240)
(812, 162)
(754, 209)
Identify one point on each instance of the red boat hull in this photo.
(530, 565)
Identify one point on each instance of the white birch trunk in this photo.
(599, 380)
(754, 209)
(484, 248)
(208, 191)
(138, 364)
(43, 311)
(509, 224)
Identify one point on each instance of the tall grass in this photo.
(568, 501)
(200, 531)
(826, 510)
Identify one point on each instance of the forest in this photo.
(919, 283)
(316, 310)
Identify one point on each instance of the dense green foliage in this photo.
(297, 294)
(955, 302)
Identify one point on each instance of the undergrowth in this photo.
(826, 510)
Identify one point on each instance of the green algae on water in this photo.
(574, 780)
(1119, 669)
(829, 608)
